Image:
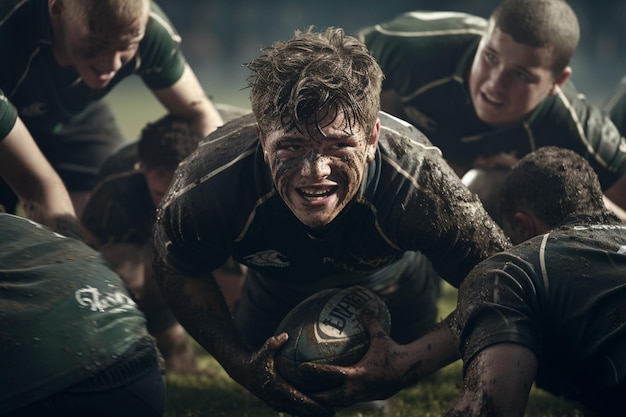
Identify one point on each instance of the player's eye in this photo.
(489, 57)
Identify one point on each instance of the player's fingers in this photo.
(331, 374)
(374, 327)
(274, 343)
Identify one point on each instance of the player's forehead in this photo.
(106, 28)
(337, 131)
(517, 53)
(334, 125)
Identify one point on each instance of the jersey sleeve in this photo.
(162, 61)
(8, 116)
(597, 135)
(456, 232)
(418, 47)
(499, 302)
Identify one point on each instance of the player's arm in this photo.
(41, 191)
(497, 383)
(198, 304)
(186, 98)
(387, 367)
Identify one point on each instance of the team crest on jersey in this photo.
(268, 258)
(110, 302)
(34, 109)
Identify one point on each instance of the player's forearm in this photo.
(186, 98)
(41, 191)
(430, 353)
(199, 306)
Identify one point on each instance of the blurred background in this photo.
(219, 36)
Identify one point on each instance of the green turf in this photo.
(134, 105)
(219, 396)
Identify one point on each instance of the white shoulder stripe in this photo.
(580, 129)
(23, 76)
(430, 85)
(418, 34)
(175, 36)
(440, 15)
(207, 177)
(8, 16)
(542, 262)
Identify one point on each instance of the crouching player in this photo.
(72, 341)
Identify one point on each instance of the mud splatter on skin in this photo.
(337, 155)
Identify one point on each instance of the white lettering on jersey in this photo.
(34, 109)
(113, 302)
(601, 227)
(268, 258)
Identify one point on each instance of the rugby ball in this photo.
(328, 328)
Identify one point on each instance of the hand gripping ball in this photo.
(328, 328)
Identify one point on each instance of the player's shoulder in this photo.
(159, 24)
(225, 149)
(236, 135)
(419, 23)
(398, 137)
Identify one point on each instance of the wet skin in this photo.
(509, 79)
(318, 173)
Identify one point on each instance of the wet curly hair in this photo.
(541, 23)
(296, 84)
(553, 183)
(166, 142)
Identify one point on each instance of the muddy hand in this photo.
(372, 378)
(267, 384)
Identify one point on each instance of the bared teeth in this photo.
(316, 192)
(492, 99)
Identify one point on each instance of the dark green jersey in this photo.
(562, 295)
(425, 57)
(8, 115)
(65, 314)
(48, 96)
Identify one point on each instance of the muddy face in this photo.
(317, 172)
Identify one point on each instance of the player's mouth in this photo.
(316, 194)
(106, 76)
(491, 100)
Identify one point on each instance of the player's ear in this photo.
(520, 227)
(561, 79)
(261, 136)
(373, 140)
(55, 7)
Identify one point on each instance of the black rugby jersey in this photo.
(562, 295)
(426, 56)
(222, 202)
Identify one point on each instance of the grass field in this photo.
(219, 396)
